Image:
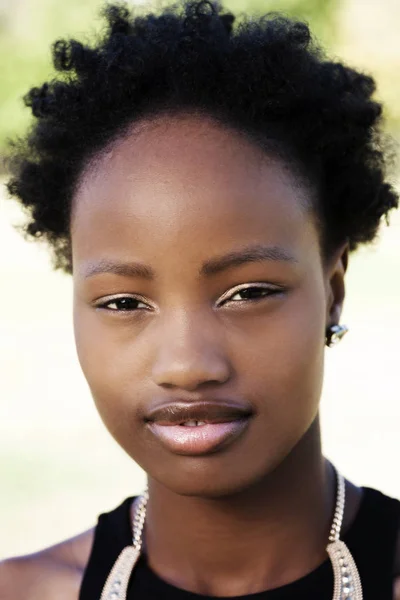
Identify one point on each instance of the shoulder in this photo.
(396, 590)
(56, 571)
(390, 507)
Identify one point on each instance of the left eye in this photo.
(253, 293)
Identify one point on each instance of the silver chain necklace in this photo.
(347, 583)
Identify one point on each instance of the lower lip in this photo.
(201, 439)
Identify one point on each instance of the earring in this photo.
(334, 334)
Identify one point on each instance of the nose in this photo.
(189, 353)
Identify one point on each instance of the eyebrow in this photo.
(251, 254)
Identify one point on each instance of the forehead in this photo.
(181, 178)
(193, 143)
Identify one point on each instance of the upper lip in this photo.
(176, 412)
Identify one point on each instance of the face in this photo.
(162, 315)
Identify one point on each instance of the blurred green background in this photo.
(59, 467)
(359, 30)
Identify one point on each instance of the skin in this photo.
(174, 193)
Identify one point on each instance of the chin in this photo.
(211, 477)
(204, 487)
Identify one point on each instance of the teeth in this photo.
(193, 423)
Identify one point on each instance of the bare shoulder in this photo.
(55, 572)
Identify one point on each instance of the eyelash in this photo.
(271, 292)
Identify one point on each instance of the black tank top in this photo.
(371, 539)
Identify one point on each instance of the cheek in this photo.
(106, 366)
(288, 364)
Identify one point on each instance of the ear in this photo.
(335, 284)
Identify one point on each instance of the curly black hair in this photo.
(266, 77)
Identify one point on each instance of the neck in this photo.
(261, 538)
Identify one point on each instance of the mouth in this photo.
(198, 428)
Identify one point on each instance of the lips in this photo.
(196, 428)
(177, 413)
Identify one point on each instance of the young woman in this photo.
(205, 184)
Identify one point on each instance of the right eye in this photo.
(121, 304)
